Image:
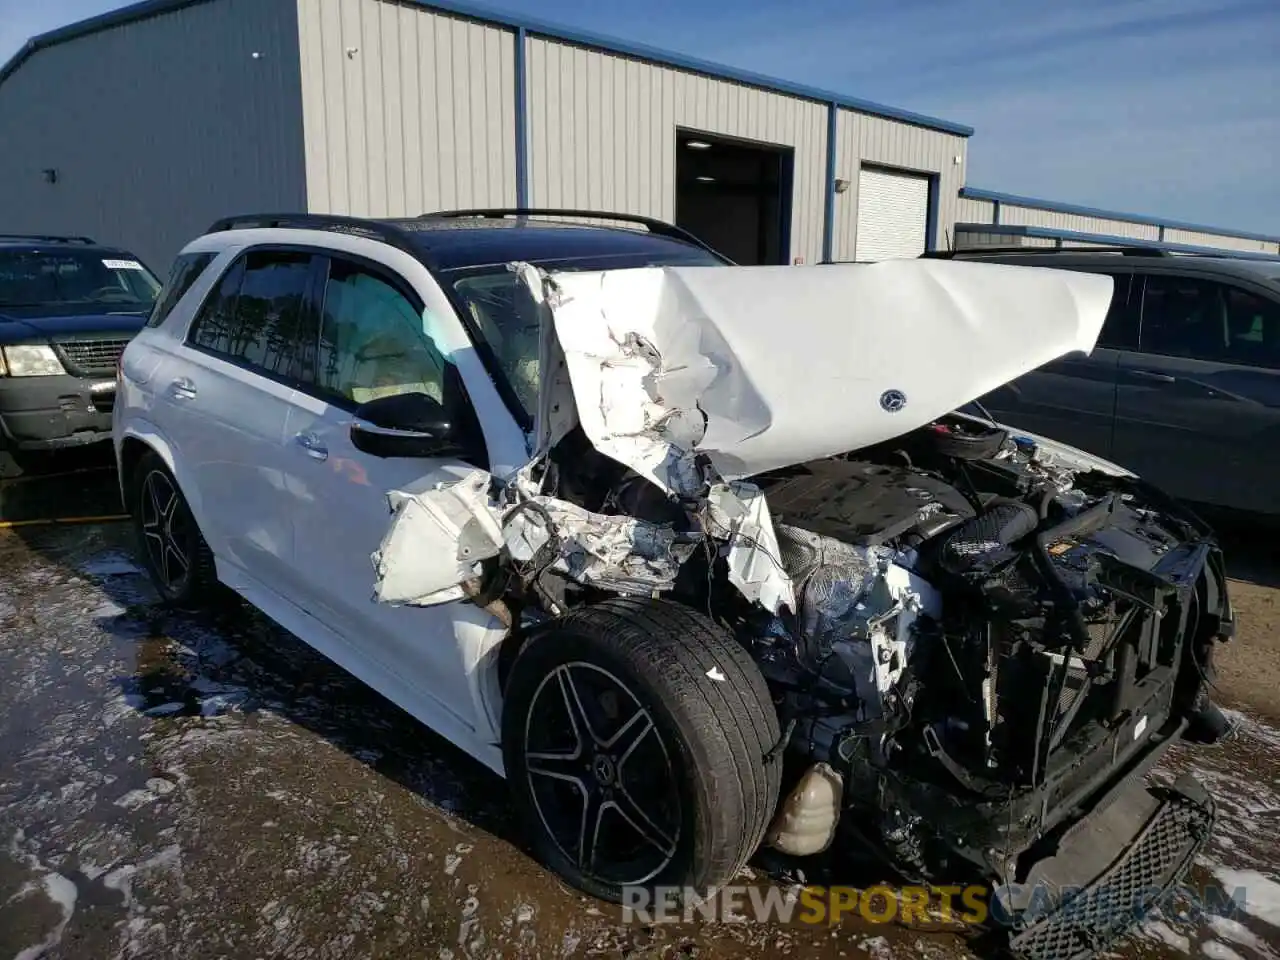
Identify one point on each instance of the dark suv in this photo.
(68, 307)
(1184, 385)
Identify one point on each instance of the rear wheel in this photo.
(173, 550)
(634, 737)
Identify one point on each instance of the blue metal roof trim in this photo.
(974, 193)
(1049, 233)
(150, 8)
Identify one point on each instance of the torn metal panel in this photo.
(436, 541)
(764, 367)
(613, 552)
(738, 514)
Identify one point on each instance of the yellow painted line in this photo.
(56, 521)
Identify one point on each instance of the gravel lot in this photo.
(183, 786)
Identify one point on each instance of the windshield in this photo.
(40, 278)
(502, 312)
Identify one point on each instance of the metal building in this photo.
(142, 126)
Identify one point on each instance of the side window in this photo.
(254, 313)
(1253, 328)
(270, 308)
(1120, 329)
(186, 270)
(373, 341)
(214, 327)
(1206, 320)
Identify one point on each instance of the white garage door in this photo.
(893, 211)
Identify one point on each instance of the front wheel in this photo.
(635, 735)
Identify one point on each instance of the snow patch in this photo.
(63, 893)
(1261, 893)
(109, 565)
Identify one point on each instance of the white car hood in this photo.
(764, 367)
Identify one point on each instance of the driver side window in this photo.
(372, 340)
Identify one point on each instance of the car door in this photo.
(1073, 399)
(372, 342)
(226, 399)
(1198, 404)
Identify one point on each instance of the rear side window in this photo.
(186, 271)
(1207, 320)
(1120, 329)
(254, 315)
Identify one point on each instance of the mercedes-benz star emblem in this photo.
(891, 401)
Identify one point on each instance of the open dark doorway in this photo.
(735, 195)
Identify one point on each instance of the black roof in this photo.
(1137, 256)
(43, 240)
(453, 244)
(452, 240)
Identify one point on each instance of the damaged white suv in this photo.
(701, 558)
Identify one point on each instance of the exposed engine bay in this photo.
(971, 638)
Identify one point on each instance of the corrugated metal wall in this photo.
(602, 134)
(406, 110)
(1197, 238)
(863, 139)
(1027, 216)
(156, 128)
(969, 210)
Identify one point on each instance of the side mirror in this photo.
(405, 425)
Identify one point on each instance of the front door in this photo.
(372, 343)
(1073, 399)
(1198, 404)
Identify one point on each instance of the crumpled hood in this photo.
(764, 367)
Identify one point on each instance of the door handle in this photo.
(315, 448)
(1154, 375)
(182, 389)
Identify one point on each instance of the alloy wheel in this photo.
(602, 780)
(166, 530)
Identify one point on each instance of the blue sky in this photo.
(1165, 107)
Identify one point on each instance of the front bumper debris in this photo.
(1088, 918)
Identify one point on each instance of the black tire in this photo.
(170, 544)
(700, 722)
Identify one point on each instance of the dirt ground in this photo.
(192, 786)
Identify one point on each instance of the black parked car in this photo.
(1183, 387)
(68, 307)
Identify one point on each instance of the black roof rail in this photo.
(1136, 250)
(48, 238)
(356, 226)
(658, 227)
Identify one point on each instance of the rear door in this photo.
(1073, 399)
(1198, 404)
(226, 402)
(372, 342)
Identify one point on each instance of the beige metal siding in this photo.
(156, 127)
(969, 210)
(602, 132)
(1200, 239)
(969, 239)
(875, 141)
(1031, 217)
(405, 110)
